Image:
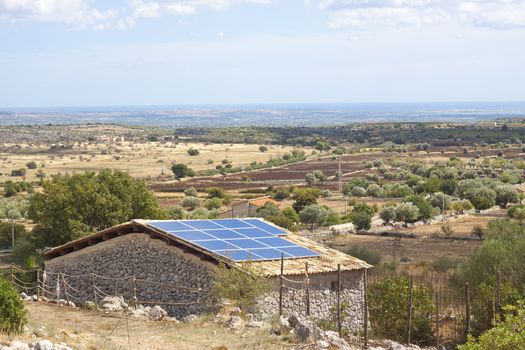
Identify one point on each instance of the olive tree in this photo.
(313, 215)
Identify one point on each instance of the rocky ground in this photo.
(113, 324)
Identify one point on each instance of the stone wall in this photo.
(323, 299)
(136, 255)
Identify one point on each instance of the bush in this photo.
(388, 306)
(373, 257)
(190, 203)
(507, 335)
(361, 220)
(241, 285)
(193, 152)
(444, 264)
(12, 309)
(31, 165)
(181, 170)
(213, 203)
(263, 149)
(191, 192)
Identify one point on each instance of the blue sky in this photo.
(142, 52)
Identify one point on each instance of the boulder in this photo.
(283, 322)
(256, 324)
(337, 342)
(24, 296)
(190, 318)
(43, 344)
(235, 323)
(157, 313)
(302, 331)
(293, 321)
(112, 303)
(322, 344)
(18, 345)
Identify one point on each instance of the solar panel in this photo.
(235, 239)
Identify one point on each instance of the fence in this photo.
(448, 299)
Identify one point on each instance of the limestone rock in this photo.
(25, 297)
(112, 303)
(302, 331)
(18, 345)
(283, 322)
(322, 344)
(190, 318)
(235, 323)
(43, 345)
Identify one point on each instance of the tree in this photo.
(268, 209)
(73, 206)
(374, 190)
(12, 209)
(176, 213)
(361, 220)
(506, 194)
(517, 212)
(190, 203)
(322, 146)
(319, 175)
(425, 209)
(407, 212)
(303, 197)
(213, 203)
(216, 192)
(193, 152)
(313, 215)
(191, 192)
(483, 198)
(31, 165)
(388, 213)
(310, 179)
(181, 170)
(263, 149)
(291, 214)
(478, 231)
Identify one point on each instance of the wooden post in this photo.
(339, 299)
(409, 309)
(94, 291)
(497, 315)
(38, 284)
(64, 288)
(281, 287)
(307, 290)
(12, 275)
(467, 310)
(437, 320)
(365, 308)
(135, 292)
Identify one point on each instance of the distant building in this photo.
(248, 208)
(180, 255)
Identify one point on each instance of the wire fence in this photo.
(452, 302)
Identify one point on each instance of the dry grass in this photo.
(140, 159)
(88, 330)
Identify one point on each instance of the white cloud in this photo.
(77, 13)
(500, 14)
(147, 10)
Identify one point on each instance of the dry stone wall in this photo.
(134, 255)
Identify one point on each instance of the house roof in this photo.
(327, 260)
(259, 202)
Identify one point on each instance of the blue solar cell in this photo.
(238, 255)
(223, 234)
(201, 224)
(232, 223)
(169, 225)
(215, 245)
(192, 235)
(299, 252)
(276, 242)
(267, 227)
(246, 243)
(253, 232)
(267, 253)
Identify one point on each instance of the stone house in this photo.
(248, 208)
(137, 259)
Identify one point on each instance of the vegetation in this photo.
(241, 285)
(388, 306)
(12, 309)
(72, 206)
(371, 256)
(181, 170)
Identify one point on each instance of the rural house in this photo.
(172, 263)
(248, 207)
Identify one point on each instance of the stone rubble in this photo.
(40, 344)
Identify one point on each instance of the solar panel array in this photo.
(235, 239)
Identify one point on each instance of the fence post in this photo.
(437, 320)
(38, 284)
(135, 292)
(467, 310)
(12, 275)
(409, 309)
(498, 298)
(365, 316)
(281, 287)
(94, 290)
(339, 299)
(307, 290)
(64, 288)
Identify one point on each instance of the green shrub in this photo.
(388, 307)
(507, 335)
(241, 285)
(12, 309)
(373, 257)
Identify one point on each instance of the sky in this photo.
(180, 52)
